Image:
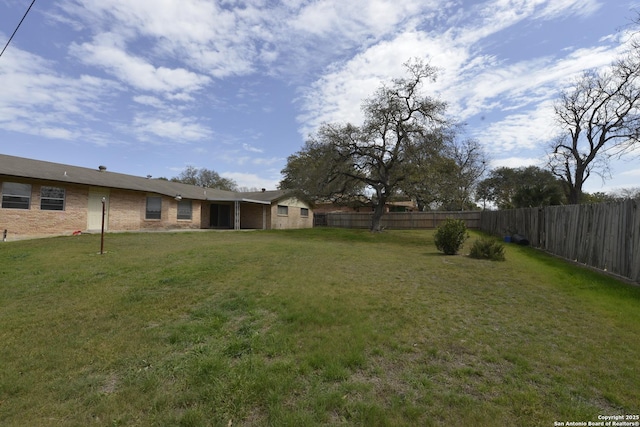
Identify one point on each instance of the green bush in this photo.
(487, 248)
(450, 236)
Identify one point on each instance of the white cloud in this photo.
(151, 101)
(225, 40)
(357, 20)
(267, 161)
(108, 51)
(37, 100)
(528, 129)
(200, 34)
(558, 9)
(251, 180)
(175, 129)
(248, 147)
(634, 173)
(625, 174)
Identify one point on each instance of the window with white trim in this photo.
(154, 208)
(283, 210)
(51, 198)
(16, 195)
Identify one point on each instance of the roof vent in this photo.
(102, 168)
(264, 189)
(148, 176)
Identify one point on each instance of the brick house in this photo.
(44, 199)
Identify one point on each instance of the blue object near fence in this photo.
(519, 239)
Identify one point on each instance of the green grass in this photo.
(307, 327)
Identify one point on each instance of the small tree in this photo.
(451, 235)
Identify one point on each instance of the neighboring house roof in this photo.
(28, 168)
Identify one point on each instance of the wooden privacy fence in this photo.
(526, 222)
(605, 236)
(396, 220)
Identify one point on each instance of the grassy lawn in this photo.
(307, 327)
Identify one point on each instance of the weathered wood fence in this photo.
(604, 236)
(396, 220)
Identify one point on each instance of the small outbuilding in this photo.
(45, 199)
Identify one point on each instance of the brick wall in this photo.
(125, 212)
(251, 215)
(168, 218)
(294, 218)
(34, 222)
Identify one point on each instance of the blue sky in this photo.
(148, 87)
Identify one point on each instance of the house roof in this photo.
(20, 167)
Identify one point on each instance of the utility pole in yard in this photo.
(102, 230)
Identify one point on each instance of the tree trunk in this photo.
(376, 219)
(575, 190)
(574, 197)
(378, 208)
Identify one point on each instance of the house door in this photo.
(94, 214)
(220, 216)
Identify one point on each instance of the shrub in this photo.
(487, 248)
(450, 236)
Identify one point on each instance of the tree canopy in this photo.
(524, 187)
(205, 178)
(443, 170)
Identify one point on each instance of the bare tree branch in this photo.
(599, 119)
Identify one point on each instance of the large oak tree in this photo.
(371, 159)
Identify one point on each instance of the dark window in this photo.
(304, 212)
(283, 210)
(184, 209)
(51, 198)
(154, 208)
(220, 216)
(15, 195)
